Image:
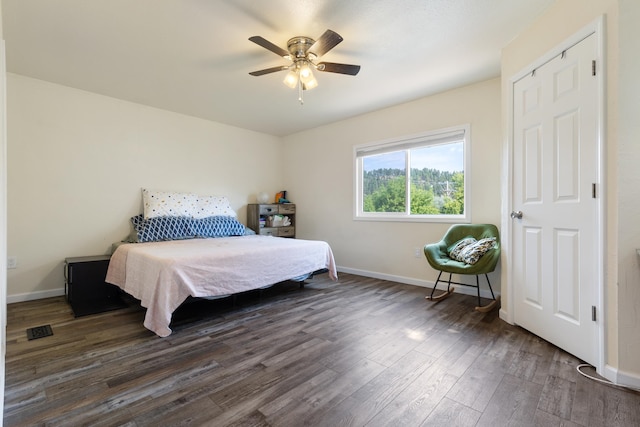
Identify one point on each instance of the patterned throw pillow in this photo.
(179, 228)
(208, 206)
(456, 248)
(161, 228)
(216, 226)
(166, 203)
(473, 252)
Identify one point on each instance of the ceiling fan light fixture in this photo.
(306, 76)
(305, 72)
(310, 84)
(303, 52)
(291, 79)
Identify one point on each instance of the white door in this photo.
(555, 170)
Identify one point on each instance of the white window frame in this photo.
(434, 137)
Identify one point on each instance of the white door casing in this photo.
(556, 264)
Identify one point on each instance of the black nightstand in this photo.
(86, 290)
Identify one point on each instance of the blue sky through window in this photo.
(444, 157)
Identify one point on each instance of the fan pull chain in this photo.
(300, 99)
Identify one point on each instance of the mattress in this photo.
(163, 274)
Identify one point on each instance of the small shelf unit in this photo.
(261, 218)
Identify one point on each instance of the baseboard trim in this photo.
(34, 295)
(621, 378)
(504, 315)
(484, 293)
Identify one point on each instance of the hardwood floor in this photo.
(358, 352)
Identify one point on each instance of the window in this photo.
(416, 178)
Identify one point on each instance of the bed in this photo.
(173, 257)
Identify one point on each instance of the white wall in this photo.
(77, 162)
(319, 176)
(628, 191)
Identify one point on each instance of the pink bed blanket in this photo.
(163, 274)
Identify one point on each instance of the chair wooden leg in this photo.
(443, 294)
(492, 304)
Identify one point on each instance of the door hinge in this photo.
(593, 313)
(593, 190)
(593, 67)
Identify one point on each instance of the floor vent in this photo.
(39, 332)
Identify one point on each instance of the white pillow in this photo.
(213, 206)
(167, 203)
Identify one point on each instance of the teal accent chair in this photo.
(437, 255)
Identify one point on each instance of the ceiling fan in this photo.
(303, 52)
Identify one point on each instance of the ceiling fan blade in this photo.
(269, 70)
(332, 67)
(269, 46)
(325, 43)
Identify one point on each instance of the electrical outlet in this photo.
(12, 262)
(416, 252)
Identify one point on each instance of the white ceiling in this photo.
(193, 56)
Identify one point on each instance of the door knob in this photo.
(516, 214)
